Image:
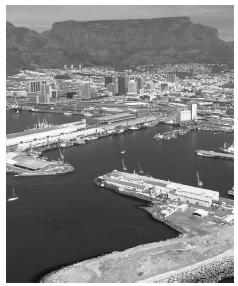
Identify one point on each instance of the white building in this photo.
(132, 87)
(192, 195)
(185, 115)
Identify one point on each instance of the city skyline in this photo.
(220, 17)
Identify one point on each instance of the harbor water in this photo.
(60, 220)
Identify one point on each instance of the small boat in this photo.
(123, 152)
(17, 111)
(134, 127)
(200, 183)
(14, 197)
(68, 113)
(231, 192)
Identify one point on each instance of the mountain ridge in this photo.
(118, 43)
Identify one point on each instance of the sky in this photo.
(41, 17)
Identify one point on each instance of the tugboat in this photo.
(200, 184)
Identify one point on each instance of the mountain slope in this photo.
(117, 43)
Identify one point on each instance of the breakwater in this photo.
(211, 271)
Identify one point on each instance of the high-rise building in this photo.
(139, 81)
(171, 77)
(34, 86)
(86, 90)
(123, 84)
(194, 111)
(132, 87)
(113, 88)
(108, 79)
(72, 66)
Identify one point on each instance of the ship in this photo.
(65, 144)
(40, 125)
(227, 148)
(231, 192)
(33, 109)
(205, 153)
(134, 127)
(68, 113)
(120, 130)
(14, 197)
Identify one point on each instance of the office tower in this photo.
(122, 84)
(194, 111)
(132, 87)
(86, 90)
(34, 86)
(113, 88)
(139, 81)
(108, 79)
(72, 66)
(171, 77)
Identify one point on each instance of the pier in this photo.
(203, 251)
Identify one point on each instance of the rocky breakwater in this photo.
(203, 258)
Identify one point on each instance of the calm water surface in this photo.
(64, 219)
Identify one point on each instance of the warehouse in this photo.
(116, 117)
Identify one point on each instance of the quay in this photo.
(213, 154)
(204, 250)
(48, 138)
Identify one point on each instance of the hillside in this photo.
(119, 43)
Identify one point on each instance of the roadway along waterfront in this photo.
(61, 220)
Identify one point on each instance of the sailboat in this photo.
(140, 169)
(124, 168)
(14, 197)
(200, 184)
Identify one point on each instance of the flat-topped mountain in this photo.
(119, 43)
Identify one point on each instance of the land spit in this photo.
(207, 258)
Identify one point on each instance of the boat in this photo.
(79, 141)
(65, 144)
(227, 148)
(200, 183)
(87, 114)
(17, 111)
(33, 109)
(231, 192)
(91, 138)
(14, 197)
(120, 130)
(134, 127)
(205, 153)
(68, 113)
(140, 170)
(123, 152)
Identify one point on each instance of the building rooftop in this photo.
(22, 160)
